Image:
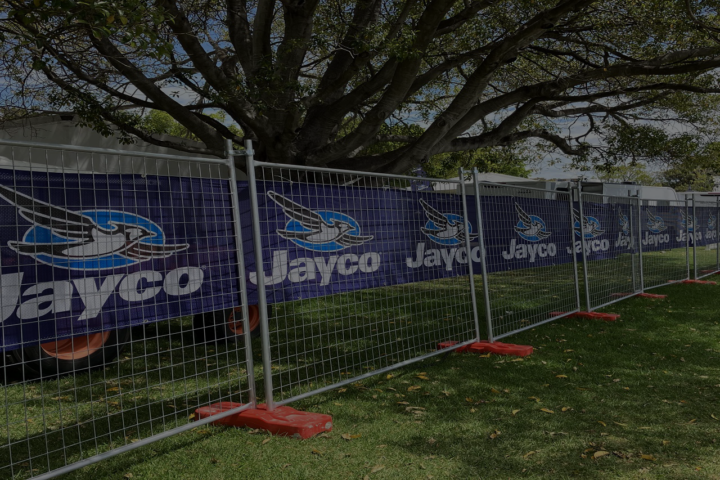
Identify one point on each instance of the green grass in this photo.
(648, 384)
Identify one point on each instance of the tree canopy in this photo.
(374, 85)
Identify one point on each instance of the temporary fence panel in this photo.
(362, 272)
(664, 243)
(607, 235)
(112, 266)
(529, 267)
(704, 239)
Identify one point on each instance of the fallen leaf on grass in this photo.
(514, 412)
(191, 416)
(492, 390)
(423, 377)
(535, 398)
(693, 420)
(389, 376)
(317, 452)
(347, 436)
(413, 388)
(565, 409)
(602, 423)
(377, 468)
(666, 442)
(529, 454)
(495, 434)
(600, 453)
(403, 403)
(338, 404)
(648, 457)
(560, 376)
(472, 410)
(265, 441)
(621, 424)
(546, 410)
(342, 390)
(128, 475)
(714, 417)
(487, 355)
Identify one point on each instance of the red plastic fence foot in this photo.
(651, 295)
(621, 294)
(608, 317)
(701, 282)
(498, 348)
(284, 421)
(711, 270)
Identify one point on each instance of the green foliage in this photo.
(508, 160)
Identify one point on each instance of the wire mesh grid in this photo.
(363, 275)
(663, 242)
(704, 238)
(531, 276)
(607, 233)
(105, 278)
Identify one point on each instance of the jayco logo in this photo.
(318, 231)
(624, 239)
(446, 229)
(588, 228)
(86, 240)
(656, 225)
(687, 228)
(710, 232)
(533, 229)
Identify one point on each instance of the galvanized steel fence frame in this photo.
(134, 400)
(540, 305)
(660, 267)
(327, 357)
(705, 262)
(331, 357)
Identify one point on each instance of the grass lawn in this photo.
(638, 398)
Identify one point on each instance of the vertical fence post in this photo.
(632, 252)
(694, 239)
(717, 233)
(582, 246)
(461, 175)
(481, 233)
(687, 237)
(241, 271)
(639, 243)
(572, 247)
(260, 269)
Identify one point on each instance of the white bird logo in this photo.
(317, 229)
(689, 222)
(532, 227)
(655, 223)
(86, 238)
(712, 220)
(445, 229)
(587, 227)
(624, 223)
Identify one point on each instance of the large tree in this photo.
(323, 82)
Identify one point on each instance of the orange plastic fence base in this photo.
(608, 317)
(284, 421)
(498, 348)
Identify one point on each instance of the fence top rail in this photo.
(519, 187)
(626, 197)
(106, 151)
(353, 172)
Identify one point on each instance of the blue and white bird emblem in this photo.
(321, 231)
(588, 227)
(445, 229)
(712, 222)
(655, 223)
(624, 223)
(88, 240)
(688, 222)
(530, 227)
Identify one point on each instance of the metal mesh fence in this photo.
(109, 284)
(703, 240)
(531, 276)
(607, 233)
(362, 272)
(664, 242)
